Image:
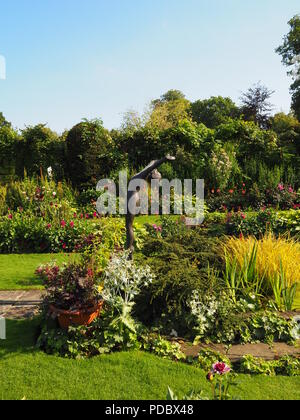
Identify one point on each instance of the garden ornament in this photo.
(147, 174)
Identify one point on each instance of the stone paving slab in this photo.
(20, 304)
(237, 352)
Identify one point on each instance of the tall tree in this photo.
(256, 106)
(290, 52)
(170, 96)
(3, 121)
(169, 110)
(214, 111)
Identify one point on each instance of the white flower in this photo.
(50, 172)
(296, 329)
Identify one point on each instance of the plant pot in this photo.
(80, 317)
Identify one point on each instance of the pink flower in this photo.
(231, 191)
(87, 216)
(75, 215)
(221, 368)
(63, 223)
(291, 190)
(64, 246)
(243, 192)
(212, 191)
(72, 224)
(10, 216)
(49, 226)
(218, 190)
(281, 187)
(95, 214)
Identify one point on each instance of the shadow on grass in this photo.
(32, 282)
(20, 337)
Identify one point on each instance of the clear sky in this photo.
(73, 59)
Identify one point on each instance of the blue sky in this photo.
(73, 59)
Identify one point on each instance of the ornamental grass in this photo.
(274, 254)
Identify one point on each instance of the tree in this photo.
(249, 140)
(170, 96)
(214, 111)
(3, 121)
(287, 128)
(256, 106)
(169, 110)
(290, 52)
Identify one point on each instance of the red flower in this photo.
(243, 216)
(64, 246)
(72, 224)
(10, 216)
(218, 190)
(81, 216)
(87, 216)
(231, 191)
(95, 214)
(75, 215)
(243, 192)
(63, 223)
(49, 226)
(221, 368)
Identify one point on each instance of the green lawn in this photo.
(27, 372)
(17, 271)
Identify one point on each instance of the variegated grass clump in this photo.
(275, 256)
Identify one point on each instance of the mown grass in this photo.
(27, 372)
(17, 271)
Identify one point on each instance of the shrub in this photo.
(89, 153)
(41, 148)
(71, 287)
(181, 265)
(22, 232)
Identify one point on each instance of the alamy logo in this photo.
(2, 68)
(159, 196)
(2, 329)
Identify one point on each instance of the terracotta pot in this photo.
(81, 317)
